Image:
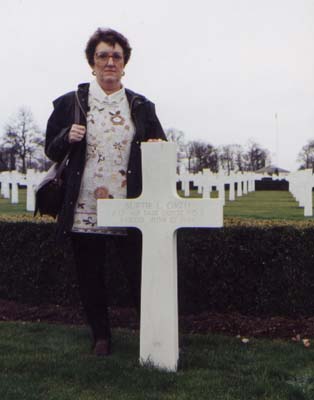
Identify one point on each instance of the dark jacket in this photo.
(147, 126)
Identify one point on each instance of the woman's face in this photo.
(108, 66)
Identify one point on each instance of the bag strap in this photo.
(62, 165)
(76, 109)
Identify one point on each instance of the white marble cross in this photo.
(158, 213)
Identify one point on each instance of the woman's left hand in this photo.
(155, 140)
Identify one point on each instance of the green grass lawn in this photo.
(6, 208)
(265, 204)
(41, 361)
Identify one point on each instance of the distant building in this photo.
(272, 170)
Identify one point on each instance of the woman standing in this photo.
(104, 162)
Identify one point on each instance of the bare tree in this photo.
(7, 159)
(306, 155)
(255, 157)
(227, 157)
(239, 157)
(176, 136)
(22, 139)
(211, 158)
(201, 155)
(189, 151)
(231, 157)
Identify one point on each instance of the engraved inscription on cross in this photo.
(158, 213)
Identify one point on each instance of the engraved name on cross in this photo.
(158, 213)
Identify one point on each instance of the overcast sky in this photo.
(219, 70)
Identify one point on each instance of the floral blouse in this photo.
(110, 131)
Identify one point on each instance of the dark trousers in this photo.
(90, 258)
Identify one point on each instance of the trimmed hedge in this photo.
(269, 184)
(251, 270)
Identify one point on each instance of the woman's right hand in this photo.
(77, 132)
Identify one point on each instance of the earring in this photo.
(94, 73)
(123, 73)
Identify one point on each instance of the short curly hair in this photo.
(111, 37)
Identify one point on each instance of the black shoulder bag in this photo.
(50, 192)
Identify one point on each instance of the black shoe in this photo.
(102, 348)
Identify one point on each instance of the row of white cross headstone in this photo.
(206, 182)
(301, 184)
(11, 180)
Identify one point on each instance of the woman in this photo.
(104, 162)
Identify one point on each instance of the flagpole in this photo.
(277, 139)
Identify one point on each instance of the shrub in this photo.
(264, 270)
(252, 270)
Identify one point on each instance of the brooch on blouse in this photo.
(116, 118)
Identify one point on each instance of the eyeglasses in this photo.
(104, 56)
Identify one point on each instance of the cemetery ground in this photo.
(222, 356)
(41, 361)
